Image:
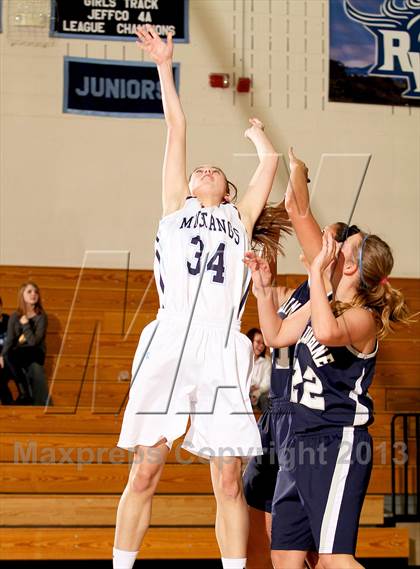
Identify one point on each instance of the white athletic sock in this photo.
(123, 559)
(233, 563)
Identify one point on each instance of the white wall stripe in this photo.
(335, 496)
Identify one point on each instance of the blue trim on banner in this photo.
(122, 38)
(106, 62)
(52, 19)
(1, 16)
(186, 23)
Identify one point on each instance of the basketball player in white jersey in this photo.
(192, 361)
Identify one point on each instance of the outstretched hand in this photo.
(296, 163)
(153, 44)
(327, 255)
(260, 273)
(255, 129)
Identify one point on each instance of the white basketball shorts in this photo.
(203, 375)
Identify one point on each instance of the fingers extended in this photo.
(152, 32)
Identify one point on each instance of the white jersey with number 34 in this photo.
(199, 254)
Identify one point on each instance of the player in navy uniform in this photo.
(330, 453)
(260, 476)
(192, 360)
(309, 235)
(261, 481)
(274, 425)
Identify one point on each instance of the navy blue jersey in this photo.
(331, 385)
(282, 361)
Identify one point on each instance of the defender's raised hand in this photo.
(260, 273)
(159, 50)
(296, 163)
(327, 255)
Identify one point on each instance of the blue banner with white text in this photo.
(113, 88)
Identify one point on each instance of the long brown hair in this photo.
(21, 308)
(272, 224)
(374, 291)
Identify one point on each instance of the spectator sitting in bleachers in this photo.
(6, 397)
(260, 380)
(24, 347)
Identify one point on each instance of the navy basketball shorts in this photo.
(260, 476)
(319, 494)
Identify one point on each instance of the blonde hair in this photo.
(269, 228)
(374, 291)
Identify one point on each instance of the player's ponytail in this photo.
(395, 310)
(374, 291)
(272, 224)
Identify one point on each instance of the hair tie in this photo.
(384, 280)
(362, 280)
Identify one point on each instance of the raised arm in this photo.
(355, 327)
(305, 225)
(277, 332)
(174, 177)
(279, 293)
(255, 198)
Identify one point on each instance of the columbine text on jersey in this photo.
(319, 352)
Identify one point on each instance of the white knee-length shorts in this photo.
(203, 375)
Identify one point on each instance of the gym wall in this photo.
(71, 184)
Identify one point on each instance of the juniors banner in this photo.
(375, 52)
(113, 88)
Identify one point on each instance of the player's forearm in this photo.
(297, 193)
(298, 208)
(275, 297)
(174, 115)
(269, 321)
(263, 177)
(262, 181)
(323, 321)
(264, 147)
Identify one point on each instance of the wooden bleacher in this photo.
(53, 510)
(72, 505)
